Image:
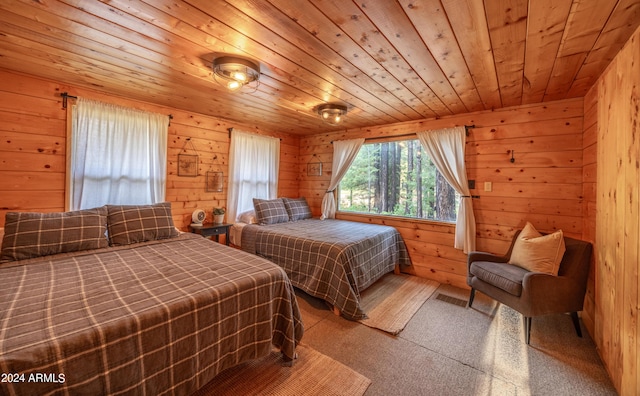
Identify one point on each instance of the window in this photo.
(397, 178)
(118, 156)
(253, 171)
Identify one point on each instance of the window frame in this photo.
(380, 216)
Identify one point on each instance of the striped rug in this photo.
(393, 300)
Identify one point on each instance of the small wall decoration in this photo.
(187, 165)
(314, 169)
(215, 181)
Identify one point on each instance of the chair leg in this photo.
(527, 329)
(472, 295)
(576, 323)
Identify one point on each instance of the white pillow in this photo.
(248, 217)
(536, 252)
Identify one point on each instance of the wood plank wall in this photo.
(33, 149)
(32, 146)
(617, 297)
(543, 185)
(589, 166)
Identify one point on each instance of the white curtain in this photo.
(446, 149)
(118, 155)
(344, 152)
(253, 171)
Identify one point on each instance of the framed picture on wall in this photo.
(187, 165)
(314, 169)
(215, 181)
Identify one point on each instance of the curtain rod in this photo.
(466, 128)
(66, 96)
(389, 137)
(231, 130)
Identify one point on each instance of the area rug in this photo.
(393, 300)
(312, 373)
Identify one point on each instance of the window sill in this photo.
(381, 219)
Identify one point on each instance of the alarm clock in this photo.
(198, 217)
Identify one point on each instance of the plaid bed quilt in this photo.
(154, 318)
(331, 259)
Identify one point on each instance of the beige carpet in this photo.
(451, 350)
(311, 374)
(393, 300)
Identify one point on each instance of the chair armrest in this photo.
(552, 294)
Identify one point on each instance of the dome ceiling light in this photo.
(234, 73)
(331, 113)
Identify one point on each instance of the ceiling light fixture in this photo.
(234, 73)
(332, 113)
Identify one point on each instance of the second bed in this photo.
(334, 260)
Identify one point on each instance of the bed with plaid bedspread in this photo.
(334, 260)
(161, 317)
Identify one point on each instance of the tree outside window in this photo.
(397, 178)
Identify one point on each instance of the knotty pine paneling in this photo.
(32, 146)
(33, 149)
(543, 185)
(390, 61)
(615, 101)
(589, 170)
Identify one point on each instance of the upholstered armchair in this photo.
(533, 293)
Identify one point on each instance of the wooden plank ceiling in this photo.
(388, 61)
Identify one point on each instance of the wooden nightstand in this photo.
(209, 230)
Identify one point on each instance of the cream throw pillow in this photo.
(536, 252)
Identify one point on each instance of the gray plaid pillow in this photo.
(297, 208)
(270, 211)
(31, 234)
(139, 223)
